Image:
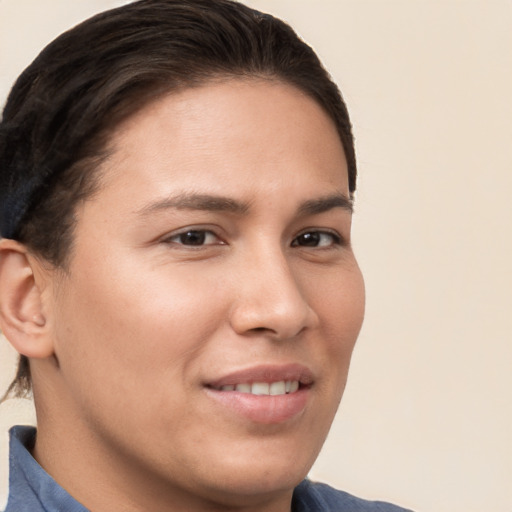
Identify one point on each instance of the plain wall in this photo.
(426, 418)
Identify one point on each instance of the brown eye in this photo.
(308, 239)
(194, 237)
(316, 239)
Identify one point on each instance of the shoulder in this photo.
(317, 497)
(31, 489)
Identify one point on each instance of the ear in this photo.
(22, 317)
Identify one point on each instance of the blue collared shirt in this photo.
(31, 489)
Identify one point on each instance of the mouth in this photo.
(281, 387)
(264, 394)
(273, 380)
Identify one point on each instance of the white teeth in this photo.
(243, 388)
(277, 388)
(294, 386)
(264, 388)
(260, 388)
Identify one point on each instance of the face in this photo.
(212, 301)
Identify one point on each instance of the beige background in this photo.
(426, 419)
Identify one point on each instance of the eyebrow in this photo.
(324, 204)
(207, 202)
(192, 201)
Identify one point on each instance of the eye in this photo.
(195, 238)
(316, 239)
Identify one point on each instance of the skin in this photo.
(141, 320)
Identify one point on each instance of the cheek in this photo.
(122, 333)
(340, 305)
(339, 301)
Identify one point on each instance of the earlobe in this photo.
(22, 317)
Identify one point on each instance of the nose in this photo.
(270, 300)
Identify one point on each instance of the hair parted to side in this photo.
(56, 123)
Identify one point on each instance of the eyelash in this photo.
(313, 235)
(309, 237)
(203, 234)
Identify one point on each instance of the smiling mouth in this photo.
(263, 394)
(282, 387)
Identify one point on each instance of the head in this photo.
(62, 109)
(176, 204)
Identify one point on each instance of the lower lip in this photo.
(265, 409)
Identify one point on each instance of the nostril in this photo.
(262, 330)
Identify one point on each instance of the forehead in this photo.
(223, 128)
(259, 143)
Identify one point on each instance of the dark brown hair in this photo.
(55, 125)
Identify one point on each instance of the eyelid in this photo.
(170, 238)
(337, 238)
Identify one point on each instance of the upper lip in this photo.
(265, 373)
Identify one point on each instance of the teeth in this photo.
(264, 388)
(260, 388)
(277, 388)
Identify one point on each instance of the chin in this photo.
(272, 472)
(255, 486)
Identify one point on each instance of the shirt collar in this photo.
(31, 488)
